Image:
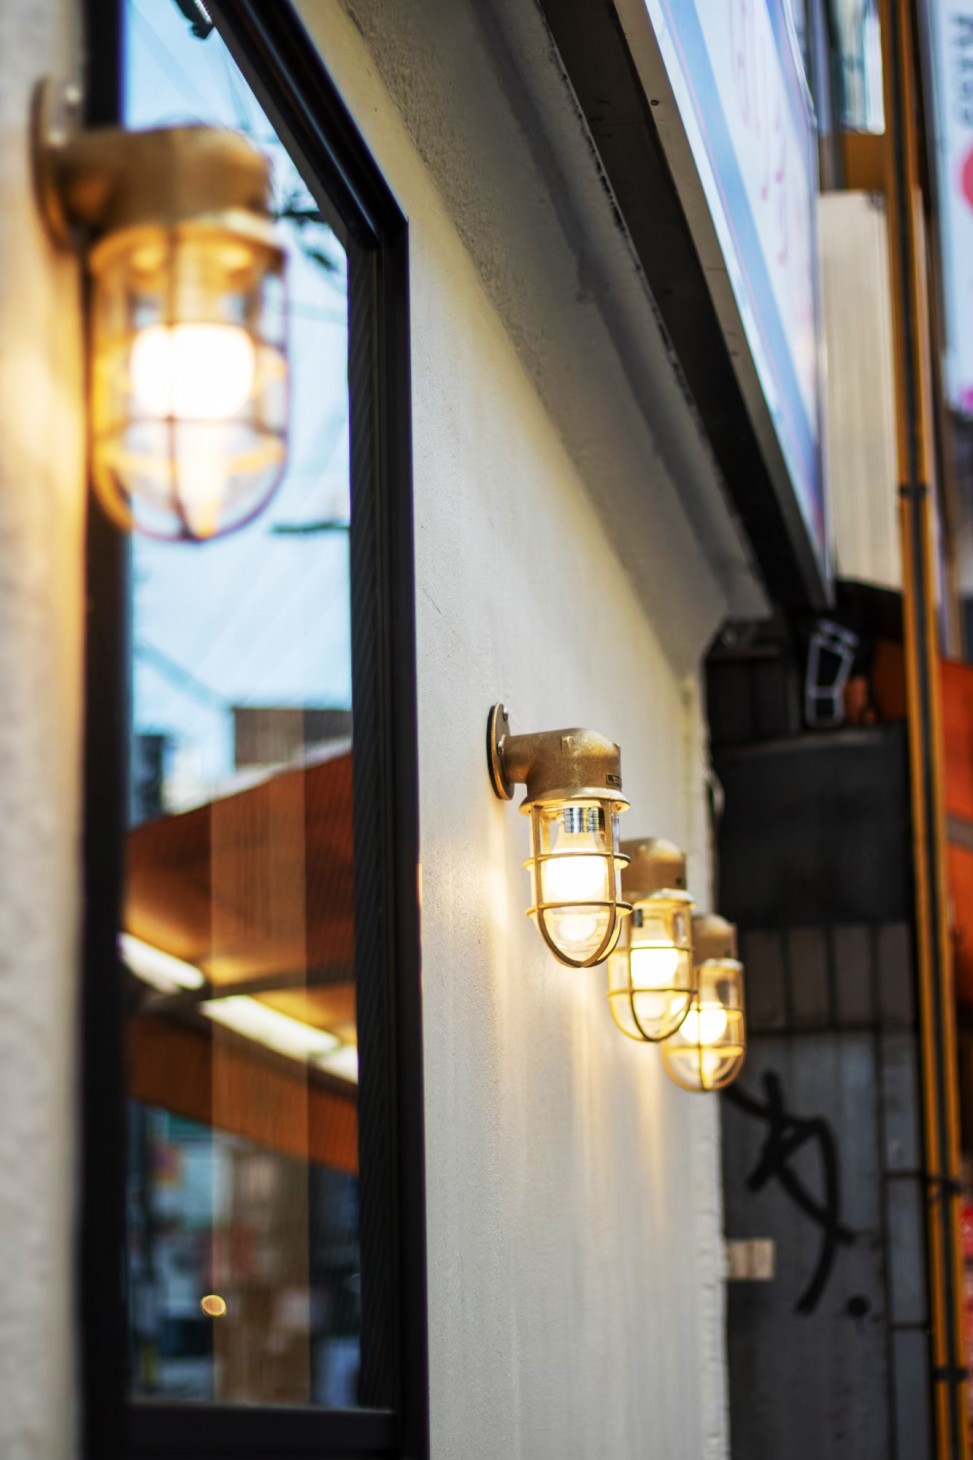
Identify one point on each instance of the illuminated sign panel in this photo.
(734, 73)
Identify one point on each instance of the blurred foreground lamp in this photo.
(574, 784)
(188, 372)
(650, 974)
(708, 1049)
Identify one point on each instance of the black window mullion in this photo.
(393, 344)
(100, 1243)
(374, 892)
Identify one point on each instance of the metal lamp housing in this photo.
(189, 388)
(708, 1050)
(650, 974)
(573, 782)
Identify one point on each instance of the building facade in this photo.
(561, 563)
(309, 1144)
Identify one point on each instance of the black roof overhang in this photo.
(597, 61)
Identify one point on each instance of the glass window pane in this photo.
(860, 43)
(798, 12)
(238, 936)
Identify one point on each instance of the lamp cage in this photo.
(189, 375)
(708, 1050)
(650, 974)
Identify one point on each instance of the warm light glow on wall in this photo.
(573, 780)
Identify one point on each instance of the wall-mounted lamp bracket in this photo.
(655, 866)
(188, 397)
(714, 939)
(553, 765)
(573, 780)
(498, 729)
(106, 179)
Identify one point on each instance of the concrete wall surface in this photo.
(41, 513)
(573, 1192)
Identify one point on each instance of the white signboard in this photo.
(737, 78)
(952, 36)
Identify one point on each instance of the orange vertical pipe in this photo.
(913, 375)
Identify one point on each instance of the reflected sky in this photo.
(260, 618)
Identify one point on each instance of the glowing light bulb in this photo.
(202, 475)
(574, 876)
(704, 1024)
(654, 967)
(192, 372)
(199, 376)
(653, 973)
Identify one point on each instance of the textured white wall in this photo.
(497, 129)
(575, 1297)
(573, 1192)
(568, 1243)
(41, 499)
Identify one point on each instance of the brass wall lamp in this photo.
(650, 974)
(573, 780)
(709, 1047)
(188, 368)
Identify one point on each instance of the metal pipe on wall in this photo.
(916, 473)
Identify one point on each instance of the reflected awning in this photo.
(256, 891)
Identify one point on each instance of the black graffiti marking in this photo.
(786, 1134)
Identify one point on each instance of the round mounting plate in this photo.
(498, 725)
(55, 120)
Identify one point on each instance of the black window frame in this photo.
(289, 78)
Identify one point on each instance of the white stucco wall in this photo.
(575, 1294)
(575, 1268)
(565, 1232)
(41, 500)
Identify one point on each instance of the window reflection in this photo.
(859, 34)
(238, 929)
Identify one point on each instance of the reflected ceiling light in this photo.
(574, 784)
(188, 372)
(342, 1063)
(213, 1305)
(650, 974)
(156, 967)
(267, 1026)
(708, 1049)
(241, 1012)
